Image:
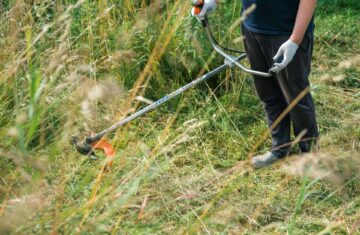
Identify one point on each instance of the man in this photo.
(279, 35)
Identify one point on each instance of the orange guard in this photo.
(107, 148)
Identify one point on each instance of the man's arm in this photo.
(289, 48)
(303, 18)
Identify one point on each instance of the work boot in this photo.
(264, 160)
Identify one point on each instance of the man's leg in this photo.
(269, 93)
(303, 115)
(294, 79)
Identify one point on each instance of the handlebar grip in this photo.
(279, 60)
(197, 10)
(198, 4)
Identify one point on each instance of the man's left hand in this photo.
(287, 51)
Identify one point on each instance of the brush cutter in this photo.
(97, 141)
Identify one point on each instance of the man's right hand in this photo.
(206, 7)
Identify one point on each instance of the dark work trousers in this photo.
(276, 97)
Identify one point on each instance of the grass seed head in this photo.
(324, 166)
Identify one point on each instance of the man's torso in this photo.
(275, 17)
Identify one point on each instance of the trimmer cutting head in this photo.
(92, 143)
(83, 147)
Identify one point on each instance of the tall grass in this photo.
(71, 67)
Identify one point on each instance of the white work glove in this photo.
(287, 51)
(208, 6)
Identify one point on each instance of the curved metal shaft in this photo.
(228, 57)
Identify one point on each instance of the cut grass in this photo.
(182, 168)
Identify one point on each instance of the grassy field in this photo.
(71, 67)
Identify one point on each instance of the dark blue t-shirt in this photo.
(275, 17)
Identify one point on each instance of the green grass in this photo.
(183, 167)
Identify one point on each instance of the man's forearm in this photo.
(303, 18)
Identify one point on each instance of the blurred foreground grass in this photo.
(71, 67)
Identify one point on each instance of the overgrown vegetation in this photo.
(70, 67)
